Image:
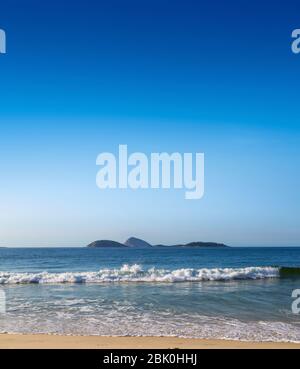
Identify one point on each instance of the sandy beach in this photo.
(39, 341)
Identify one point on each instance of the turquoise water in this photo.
(236, 293)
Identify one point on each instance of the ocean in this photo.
(230, 293)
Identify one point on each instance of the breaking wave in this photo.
(135, 273)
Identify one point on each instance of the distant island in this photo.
(105, 244)
(134, 242)
(197, 245)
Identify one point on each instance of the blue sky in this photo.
(82, 77)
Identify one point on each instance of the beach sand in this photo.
(40, 341)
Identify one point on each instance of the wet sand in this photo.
(40, 341)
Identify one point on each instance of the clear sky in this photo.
(82, 77)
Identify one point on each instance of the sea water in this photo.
(230, 293)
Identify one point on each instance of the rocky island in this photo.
(134, 242)
(105, 244)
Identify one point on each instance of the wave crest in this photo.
(135, 273)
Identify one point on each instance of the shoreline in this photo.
(51, 341)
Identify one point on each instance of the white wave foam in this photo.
(112, 322)
(135, 273)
